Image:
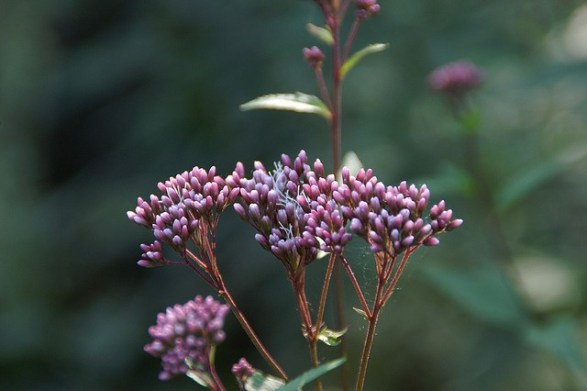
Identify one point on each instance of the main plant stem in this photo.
(373, 317)
(369, 337)
(336, 144)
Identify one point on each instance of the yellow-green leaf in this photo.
(358, 56)
(331, 337)
(298, 102)
(322, 33)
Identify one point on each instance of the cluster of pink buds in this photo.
(187, 209)
(297, 210)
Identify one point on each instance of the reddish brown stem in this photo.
(251, 333)
(355, 283)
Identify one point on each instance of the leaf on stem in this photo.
(358, 56)
(200, 377)
(322, 33)
(331, 337)
(311, 375)
(259, 381)
(298, 102)
(361, 312)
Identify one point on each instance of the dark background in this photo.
(100, 100)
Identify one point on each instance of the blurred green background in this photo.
(99, 100)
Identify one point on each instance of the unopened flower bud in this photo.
(314, 56)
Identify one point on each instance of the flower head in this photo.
(186, 208)
(456, 78)
(291, 207)
(391, 218)
(185, 334)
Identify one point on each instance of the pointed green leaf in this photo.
(311, 375)
(358, 56)
(322, 33)
(258, 381)
(298, 102)
(331, 337)
(200, 377)
(360, 312)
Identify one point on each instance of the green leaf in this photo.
(311, 375)
(561, 338)
(361, 312)
(298, 102)
(358, 56)
(322, 33)
(331, 337)
(523, 183)
(483, 291)
(258, 381)
(200, 377)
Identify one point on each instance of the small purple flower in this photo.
(456, 78)
(184, 336)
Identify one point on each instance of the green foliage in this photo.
(358, 56)
(331, 337)
(311, 375)
(298, 102)
(322, 33)
(522, 183)
(484, 291)
(262, 382)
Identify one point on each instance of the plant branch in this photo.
(250, 332)
(356, 285)
(325, 286)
